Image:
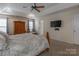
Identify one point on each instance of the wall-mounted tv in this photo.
(56, 23)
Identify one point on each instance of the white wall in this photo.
(66, 31)
(10, 23)
(37, 25)
(11, 19)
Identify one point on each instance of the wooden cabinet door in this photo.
(19, 27)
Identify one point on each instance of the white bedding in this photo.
(25, 45)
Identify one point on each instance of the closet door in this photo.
(19, 27)
(76, 29)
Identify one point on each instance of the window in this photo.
(31, 25)
(3, 24)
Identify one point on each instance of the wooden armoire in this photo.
(19, 27)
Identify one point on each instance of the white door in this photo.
(76, 29)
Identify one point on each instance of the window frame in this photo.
(33, 30)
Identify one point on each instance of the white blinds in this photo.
(30, 26)
(3, 24)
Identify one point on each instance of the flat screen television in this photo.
(56, 23)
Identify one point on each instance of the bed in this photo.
(26, 44)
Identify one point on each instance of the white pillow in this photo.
(5, 35)
(3, 40)
(2, 43)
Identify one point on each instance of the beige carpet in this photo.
(58, 48)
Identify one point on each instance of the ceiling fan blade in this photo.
(37, 9)
(40, 6)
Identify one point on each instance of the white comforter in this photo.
(25, 45)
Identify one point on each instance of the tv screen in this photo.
(56, 23)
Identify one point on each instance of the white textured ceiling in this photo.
(23, 9)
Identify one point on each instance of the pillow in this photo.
(5, 35)
(2, 43)
(3, 40)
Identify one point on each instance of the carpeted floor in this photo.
(58, 48)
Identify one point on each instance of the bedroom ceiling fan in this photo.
(35, 7)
